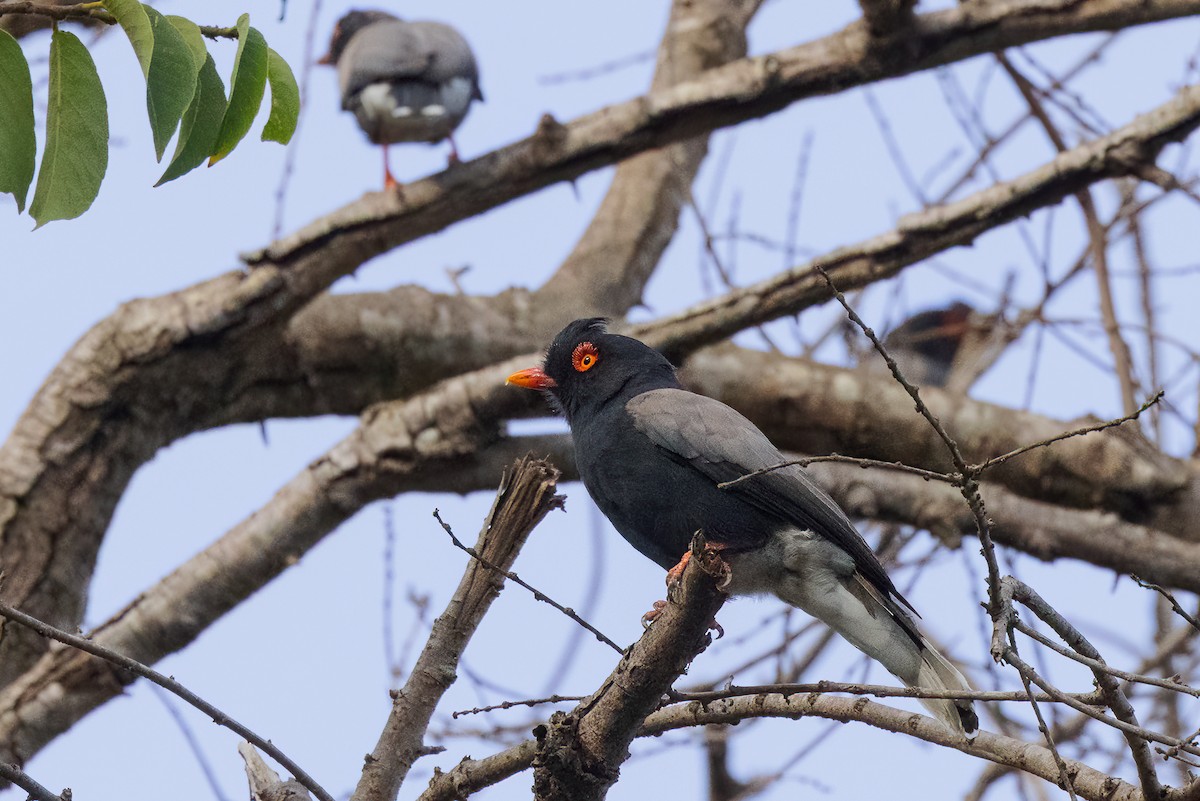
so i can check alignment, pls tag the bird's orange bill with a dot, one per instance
(531, 378)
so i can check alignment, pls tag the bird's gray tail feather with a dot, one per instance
(937, 673)
(892, 638)
(811, 573)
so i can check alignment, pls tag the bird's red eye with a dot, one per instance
(585, 356)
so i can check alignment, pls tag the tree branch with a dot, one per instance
(526, 495)
(579, 753)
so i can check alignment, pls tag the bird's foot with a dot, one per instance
(657, 608)
(714, 564)
(676, 573)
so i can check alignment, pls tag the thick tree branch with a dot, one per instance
(160, 369)
(1129, 150)
(887, 17)
(814, 408)
(740, 91)
(399, 446)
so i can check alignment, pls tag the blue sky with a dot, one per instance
(326, 712)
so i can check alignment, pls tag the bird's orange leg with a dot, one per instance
(713, 553)
(389, 181)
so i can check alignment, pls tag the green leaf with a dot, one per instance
(246, 88)
(192, 37)
(131, 15)
(285, 100)
(18, 144)
(201, 123)
(171, 81)
(76, 154)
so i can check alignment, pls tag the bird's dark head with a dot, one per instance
(587, 367)
(344, 30)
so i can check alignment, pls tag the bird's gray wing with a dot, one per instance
(392, 49)
(724, 446)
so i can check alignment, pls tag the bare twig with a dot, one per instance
(538, 595)
(1100, 665)
(876, 690)
(928, 475)
(1179, 610)
(589, 73)
(968, 485)
(553, 699)
(1077, 432)
(1125, 717)
(168, 684)
(27, 783)
(1122, 359)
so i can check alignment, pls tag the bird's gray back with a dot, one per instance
(721, 443)
(392, 49)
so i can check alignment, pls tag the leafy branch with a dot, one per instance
(184, 95)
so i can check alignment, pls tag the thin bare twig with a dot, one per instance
(553, 699)
(589, 73)
(1077, 432)
(1179, 610)
(1124, 717)
(1097, 664)
(538, 595)
(168, 684)
(969, 485)
(27, 783)
(928, 475)
(1097, 237)
(876, 690)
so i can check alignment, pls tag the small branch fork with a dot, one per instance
(1004, 649)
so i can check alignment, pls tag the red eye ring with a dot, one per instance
(584, 357)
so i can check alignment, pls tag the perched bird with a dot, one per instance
(926, 344)
(652, 455)
(404, 81)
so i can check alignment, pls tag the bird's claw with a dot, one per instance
(658, 606)
(653, 614)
